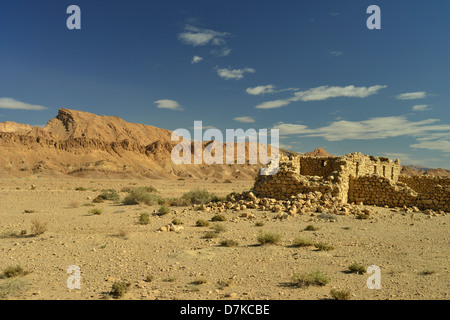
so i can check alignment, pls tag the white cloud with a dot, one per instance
(326, 92)
(261, 90)
(223, 52)
(421, 107)
(168, 104)
(196, 59)
(9, 103)
(195, 36)
(273, 104)
(440, 145)
(412, 95)
(236, 74)
(373, 128)
(323, 93)
(244, 119)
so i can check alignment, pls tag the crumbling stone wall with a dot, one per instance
(354, 178)
(379, 191)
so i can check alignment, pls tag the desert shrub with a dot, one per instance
(11, 287)
(340, 294)
(148, 189)
(229, 243)
(107, 195)
(357, 268)
(177, 202)
(316, 278)
(81, 189)
(144, 218)
(218, 228)
(228, 181)
(259, 224)
(142, 195)
(323, 247)
(170, 279)
(210, 235)
(14, 271)
(310, 227)
(200, 196)
(202, 223)
(199, 281)
(218, 217)
(301, 242)
(268, 238)
(96, 211)
(119, 289)
(38, 227)
(29, 211)
(177, 222)
(163, 210)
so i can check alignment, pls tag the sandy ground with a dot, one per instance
(412, 250)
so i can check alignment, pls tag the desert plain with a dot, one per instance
(410, 248)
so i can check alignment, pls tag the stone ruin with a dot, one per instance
(354, 178)
(330, 186)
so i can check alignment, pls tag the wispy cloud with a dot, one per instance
(237, 74)
(9, 103)
(323, 93)
(421, 107)
(412, 95)
(196, 59)
(245, 119)
(195, 36)
(440, 145)
(373, 128)
(223, 52)
(168, 104)
(261, 90)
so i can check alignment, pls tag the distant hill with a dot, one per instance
(415, 170)
(319, 152)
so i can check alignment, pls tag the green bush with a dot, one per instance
(218, 228)
(144, 218)
(177, 222)
(340, 294)
(119, 289)
(300, 242)
(323, 247)
(14, 271)
(107, 195)
(310, 227)
(210, 235)
(218, 217)
(202, 223)
(316, 278)
(163, 210)
(357, 268)
(142, 195)
(200, 196)
(96, 211)
(268, 238)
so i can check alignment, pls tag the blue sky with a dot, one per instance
(311, 69)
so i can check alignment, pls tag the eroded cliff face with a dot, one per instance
(77, 143)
